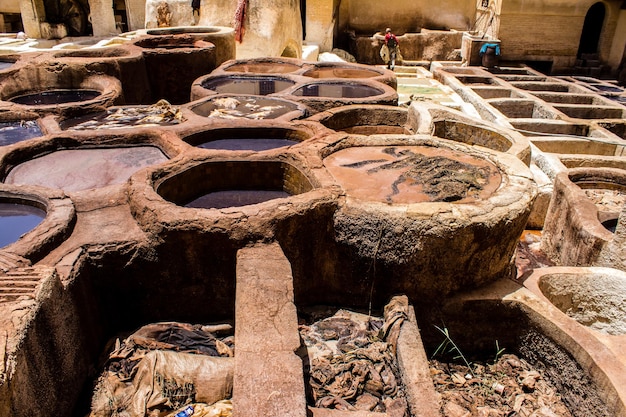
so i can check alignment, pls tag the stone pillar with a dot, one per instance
(136, 14)
(320, 23)
(32, 12)
(269, 378)
(102, 19)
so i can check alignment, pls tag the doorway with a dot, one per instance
(592, 28)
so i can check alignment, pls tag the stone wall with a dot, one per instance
(271, 27)
(539, 30)
(369, 16)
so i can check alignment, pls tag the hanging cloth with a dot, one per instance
(240, 15)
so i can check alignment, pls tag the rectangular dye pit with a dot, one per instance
(549, 86)
(591, 112)
(530, 127)
(522, 109)
(565, 145)
(573, 98)
(495, 92)
(476, 80)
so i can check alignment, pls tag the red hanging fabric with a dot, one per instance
(240, 15)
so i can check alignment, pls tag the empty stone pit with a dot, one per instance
(495, 92)
(448, 124)
(596, 111)
(523, 109)
(596, 300)
(233, 184)
(365, 120)
(559, 87)
(574, 234)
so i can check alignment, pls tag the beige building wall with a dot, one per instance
(272, 27)
(619, 41)
(371, 16)
(549, 30)
(9, 6)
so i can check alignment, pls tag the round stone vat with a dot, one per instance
(33, 220)
(18, 127)
(228, 107)
(124, 62)
(222, 37)
(365, 119)
(596, 299)
(450, 124)
(260, 85)
(70, 165)
(584, 198)
(427, 212)
(262, 66)
(326, 94)
(34, 90)
(53, 97)
(349, 71)
(582, 368)
(173, 62)
(257, 138)
(225, 184)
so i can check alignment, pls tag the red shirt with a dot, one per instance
(391, 36)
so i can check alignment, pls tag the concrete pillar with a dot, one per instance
(102, 19)
(32, 12)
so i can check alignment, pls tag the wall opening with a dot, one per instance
(590, 36)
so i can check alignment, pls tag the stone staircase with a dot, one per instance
(590, 65)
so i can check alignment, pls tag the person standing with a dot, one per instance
(392, 44)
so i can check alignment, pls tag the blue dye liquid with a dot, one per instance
(17, 219)
(55, 97)
(236, 198)
(247, 144)
(13, 132)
